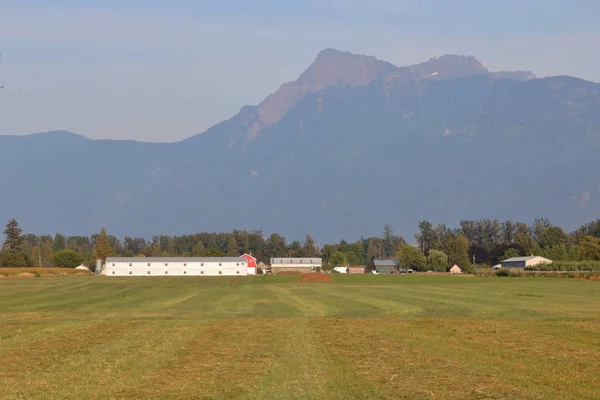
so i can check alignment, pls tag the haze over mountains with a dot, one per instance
(353, 144)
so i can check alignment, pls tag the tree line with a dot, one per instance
(438, 247)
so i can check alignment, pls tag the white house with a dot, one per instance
(524, 262)
(175, 266)
(303, 265)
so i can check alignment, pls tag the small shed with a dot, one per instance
(356, 269)
(455, 270)
(386, 266)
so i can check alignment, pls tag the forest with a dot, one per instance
(474, 243)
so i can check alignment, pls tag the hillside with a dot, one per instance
(353, 144)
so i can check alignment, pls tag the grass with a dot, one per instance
(270, 337)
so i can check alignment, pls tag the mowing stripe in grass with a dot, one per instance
(301, 298)
(305, 369)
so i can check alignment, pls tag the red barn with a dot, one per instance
(252, 267)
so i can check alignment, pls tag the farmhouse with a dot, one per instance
(356, 269)
(386, 266)
(175, 266)
(524, 262)
(251, 262)
(303, 265)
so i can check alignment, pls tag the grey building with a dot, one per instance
(386, 266)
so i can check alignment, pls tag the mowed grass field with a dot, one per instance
(270, 337)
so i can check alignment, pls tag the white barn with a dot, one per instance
(175, 266)
(524, 262)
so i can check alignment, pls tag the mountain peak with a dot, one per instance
(449, 66)
(335, 68)
(331, 68)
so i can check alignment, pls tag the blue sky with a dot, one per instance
(164, 70)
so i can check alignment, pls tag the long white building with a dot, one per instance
(291, 264)
(175, 266)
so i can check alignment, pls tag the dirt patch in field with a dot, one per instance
(316, 277)
(26, 275)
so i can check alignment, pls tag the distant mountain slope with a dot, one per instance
(353, 144)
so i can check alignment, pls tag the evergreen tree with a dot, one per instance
(232, 247)
(14, 237)
(374, 249)
(12, 254)
(308, 248)
(198, 250)
(102, 249)
(59, 242)
(388, 241)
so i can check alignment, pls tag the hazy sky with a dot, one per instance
(163, 70)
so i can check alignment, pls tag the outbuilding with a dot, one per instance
(524, 262)
(356, 269)
(386, 266)
(251, 262)
(302, 265)
(175, 266)
(455, 270)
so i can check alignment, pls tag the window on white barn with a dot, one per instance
(130, 264)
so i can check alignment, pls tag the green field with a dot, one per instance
(269, 337)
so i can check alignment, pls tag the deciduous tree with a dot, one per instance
(198, 250)
(437, 261)
(411, 258)
(338, 259)
(66, 259)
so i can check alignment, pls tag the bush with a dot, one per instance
(13, 259)
(66, 259)
(515, 273)
(260, 271)
(574, 266)
(503, 272)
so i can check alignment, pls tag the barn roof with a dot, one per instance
(172, 259)
(519, 259)
(383, 263)
(292, 260)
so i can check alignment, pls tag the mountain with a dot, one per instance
(352, 144)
